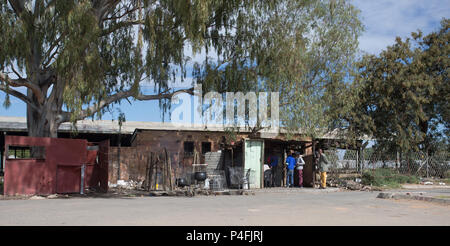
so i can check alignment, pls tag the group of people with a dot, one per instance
(295, 162)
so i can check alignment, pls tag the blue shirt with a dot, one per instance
(273, 161)
(290, 161)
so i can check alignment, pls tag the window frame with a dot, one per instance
(188, 153)
(210, 147)
(23, 149)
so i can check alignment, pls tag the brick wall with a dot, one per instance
(133, 163)
(134, 159)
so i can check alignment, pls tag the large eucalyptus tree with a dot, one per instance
(76, 58)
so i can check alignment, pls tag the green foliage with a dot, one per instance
(315, 64)
(368, 154)
(121, 118)
(7, 102)
(20, 153)
(231, 134)
(401, 96)
(332, 155)
(447, 174)
(387, 177)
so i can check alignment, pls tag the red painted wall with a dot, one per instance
(59, 172)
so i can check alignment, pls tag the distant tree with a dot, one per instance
(401, 96)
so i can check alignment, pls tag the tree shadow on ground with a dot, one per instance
(112, 193)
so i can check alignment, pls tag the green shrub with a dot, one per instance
(368, 178)
(447, 174)
(387, 177)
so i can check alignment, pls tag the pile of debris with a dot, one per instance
(128, 185)
(350, 184)
(426, 181)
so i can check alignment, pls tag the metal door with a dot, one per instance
(253, 160)
(68, 179)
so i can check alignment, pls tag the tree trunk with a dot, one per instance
(41, 124)
(42, 120)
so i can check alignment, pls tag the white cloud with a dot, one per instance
(373, 44)
(384, 20)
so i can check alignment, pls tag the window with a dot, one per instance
(25, 152)
(188, 148)
(206, 147)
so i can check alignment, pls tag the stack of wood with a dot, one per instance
(159, 174)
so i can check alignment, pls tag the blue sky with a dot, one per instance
(383, 20)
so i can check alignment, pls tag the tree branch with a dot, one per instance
(17, 73)
(19, 96)
(119, 25)
(103, 7)
(50, 57)
(17, 5)
(65, 116)
(122, 15)
(23, 82)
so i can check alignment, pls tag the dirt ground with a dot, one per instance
(265, 207)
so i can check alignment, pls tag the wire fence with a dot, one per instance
(416, 163)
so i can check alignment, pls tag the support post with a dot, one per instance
(314, 163)
(83, 167)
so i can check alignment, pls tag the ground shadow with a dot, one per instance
(1, 183)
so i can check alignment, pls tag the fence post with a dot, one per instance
(397, 161)
(357, 161)
(360, 159)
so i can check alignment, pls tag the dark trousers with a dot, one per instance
(274, 175)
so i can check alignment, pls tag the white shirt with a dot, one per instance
(300, 163)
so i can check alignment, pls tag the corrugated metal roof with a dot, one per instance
(109, 126)
(112, 127)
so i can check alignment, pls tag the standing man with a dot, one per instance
(274, 168)
(300, 164)
(323, 167)
(290, 163)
